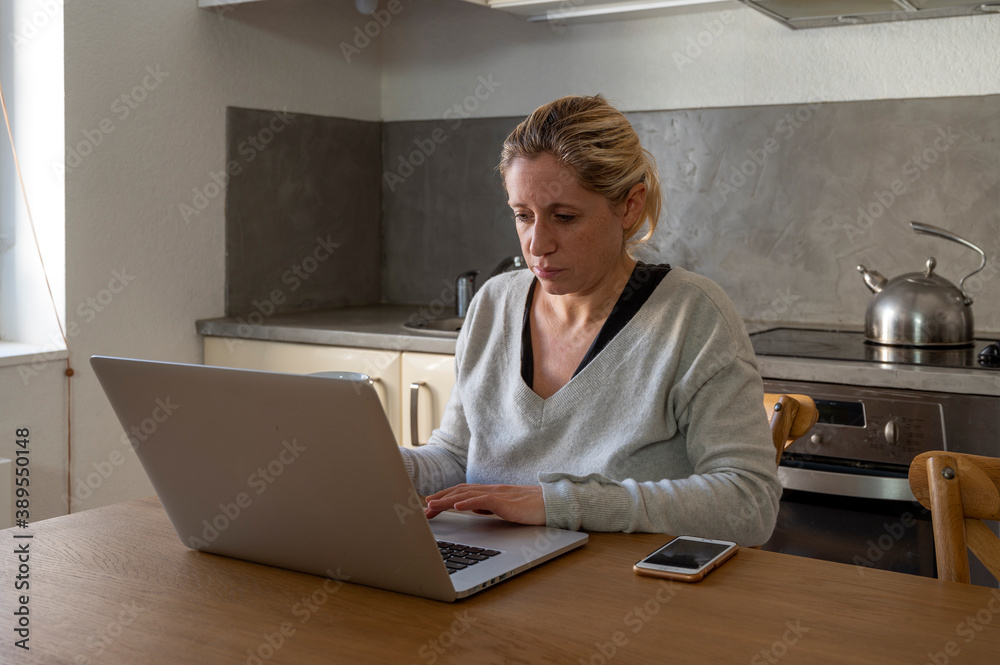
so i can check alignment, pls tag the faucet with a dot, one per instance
(465, 288)
(465, 284)
(508, 264)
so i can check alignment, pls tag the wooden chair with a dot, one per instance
(960, 490)
(791, 417)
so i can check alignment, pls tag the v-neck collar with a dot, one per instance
(588, 376)
(641, 284)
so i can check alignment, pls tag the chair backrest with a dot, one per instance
(960, 490)
(791, 416)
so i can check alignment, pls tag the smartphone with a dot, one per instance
(686, 558)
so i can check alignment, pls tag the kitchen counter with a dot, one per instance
(882, 375)
(381, 327)
(836, 361)
(370, 327)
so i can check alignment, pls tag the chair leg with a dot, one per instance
(948, 519)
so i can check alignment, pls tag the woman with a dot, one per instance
(594, 392)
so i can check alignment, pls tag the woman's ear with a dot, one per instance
(635, 202)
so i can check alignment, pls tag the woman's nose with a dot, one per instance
(542, 241)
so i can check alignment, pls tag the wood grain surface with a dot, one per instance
(115, 585)
(980, 480)
(948, 521)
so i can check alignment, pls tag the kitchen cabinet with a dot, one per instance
(382, 366)
(426, 381)
(432, 375)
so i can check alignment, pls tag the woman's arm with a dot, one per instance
(732, 494)
(439, 464)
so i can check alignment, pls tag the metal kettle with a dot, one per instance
(920, 308)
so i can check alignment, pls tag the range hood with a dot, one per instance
(591, 11)
(798, 14)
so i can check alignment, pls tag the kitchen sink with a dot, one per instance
(449, 325)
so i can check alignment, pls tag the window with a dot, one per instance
(31, 71)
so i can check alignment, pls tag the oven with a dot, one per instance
(846, 494)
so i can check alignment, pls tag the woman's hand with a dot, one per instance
(515, 503)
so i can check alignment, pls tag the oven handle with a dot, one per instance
(845, 484)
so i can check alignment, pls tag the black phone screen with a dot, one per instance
(683, 553)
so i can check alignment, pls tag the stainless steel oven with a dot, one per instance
(847, 496)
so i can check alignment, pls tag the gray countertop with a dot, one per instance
(381, 327)
(884, 375)
(370, 327)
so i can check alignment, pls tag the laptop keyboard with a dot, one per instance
(459, 557)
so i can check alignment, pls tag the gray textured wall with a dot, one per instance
(778, 204)
(764, 200)
(444, 210)
(301, 185)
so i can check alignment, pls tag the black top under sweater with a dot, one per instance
(644, 280)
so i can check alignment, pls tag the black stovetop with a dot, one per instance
(847, 345)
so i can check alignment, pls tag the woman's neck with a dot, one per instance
(589, 307)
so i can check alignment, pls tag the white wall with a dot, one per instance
(435, 51)
(137, 275)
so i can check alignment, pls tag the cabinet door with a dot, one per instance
(426, 383)
(292, 358)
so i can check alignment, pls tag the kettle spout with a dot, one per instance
(874, 280)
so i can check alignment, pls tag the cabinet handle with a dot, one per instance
(414, 397)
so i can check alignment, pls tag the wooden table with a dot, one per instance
(115, 585)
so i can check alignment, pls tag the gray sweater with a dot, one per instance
(663, 431)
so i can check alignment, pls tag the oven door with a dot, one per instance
(847, 496)
(858, 525)
(864, 523)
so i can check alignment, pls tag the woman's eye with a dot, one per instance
(522, 217)
(565, 218)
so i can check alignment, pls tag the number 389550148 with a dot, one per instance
(21, 481)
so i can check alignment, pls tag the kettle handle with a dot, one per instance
(928, 230)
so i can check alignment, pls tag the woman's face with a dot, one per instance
(571, 238)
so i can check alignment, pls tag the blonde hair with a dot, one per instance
(596, 141)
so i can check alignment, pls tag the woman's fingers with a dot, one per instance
(515, 503)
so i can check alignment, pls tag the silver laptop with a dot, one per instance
(303, 472)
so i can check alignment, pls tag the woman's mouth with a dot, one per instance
(544, 272)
